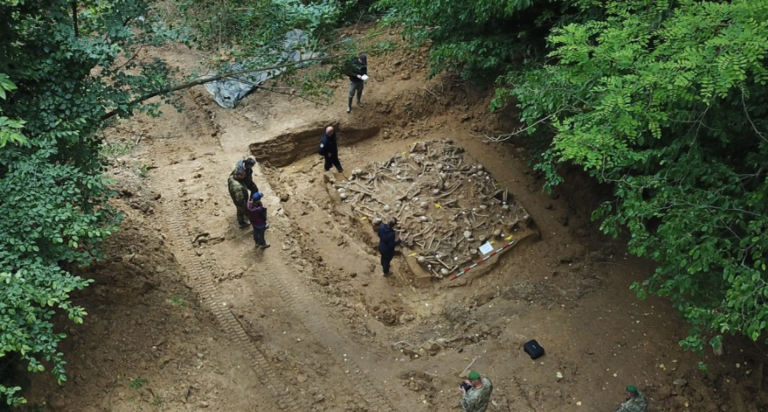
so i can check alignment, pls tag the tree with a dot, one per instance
(480, 39)
(667, 101)
(66, 68)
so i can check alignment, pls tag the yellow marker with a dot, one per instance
(364, 218)
(493, 243)
(508, 237)
(413, 254)
(437, 206)
(405, 152)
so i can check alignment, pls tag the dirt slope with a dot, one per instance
(187, 314)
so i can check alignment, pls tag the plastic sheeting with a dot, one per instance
(228, 92)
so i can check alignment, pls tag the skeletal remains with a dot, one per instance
(446, 207)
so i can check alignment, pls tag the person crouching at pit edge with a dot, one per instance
(257, 214)
(636, 401)
(477, 393)
(387, 243)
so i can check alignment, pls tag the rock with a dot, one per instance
(680, 382)
(319, 398)
(163, 361)
(467, 234)
(284, 197)
(159, 269)
(323, 282)
(145, 287)
(301, 378)
(57, 403)
(410, 353)
(433, 348)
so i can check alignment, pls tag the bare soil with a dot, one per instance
(187, 315)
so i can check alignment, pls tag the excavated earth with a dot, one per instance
(187, 315)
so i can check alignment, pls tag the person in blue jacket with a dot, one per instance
(387, 243)
(257, 214)
(329, 149)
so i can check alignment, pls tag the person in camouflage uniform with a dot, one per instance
(239, 194)
(636, 401)
(478, 395)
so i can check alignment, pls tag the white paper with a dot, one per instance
(486, 248)
(364, 77)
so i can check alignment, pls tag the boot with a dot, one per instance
(349, 105)
(359, 103)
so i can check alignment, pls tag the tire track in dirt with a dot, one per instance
(299, 299)
(201, 279)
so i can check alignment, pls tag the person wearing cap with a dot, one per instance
(387, 243)
(239, 194)
(478, 393)
(257, 215)
(635, 402)
(329, 149)
(247, 165)
(357, 68)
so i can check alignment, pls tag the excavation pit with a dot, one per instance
(452, 214)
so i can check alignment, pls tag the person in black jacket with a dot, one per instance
(358, 67)
(387, 243)
(329, 149)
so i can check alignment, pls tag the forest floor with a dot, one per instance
(187, 314)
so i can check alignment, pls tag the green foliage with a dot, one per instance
(60, 75)
(10, 130)
(178, 301)
(248, 26)
(480, 39)
(137, 383)
(667, 101)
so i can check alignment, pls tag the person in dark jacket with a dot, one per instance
(257, 215)
(387, 243)
(247, 165)
(357, 68)
(329, 149)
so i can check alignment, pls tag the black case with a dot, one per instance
(533, 349)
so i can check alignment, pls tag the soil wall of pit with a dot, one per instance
(296, 144)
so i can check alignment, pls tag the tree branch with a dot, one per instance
(74, 18)
(507, 136)
(205, 80)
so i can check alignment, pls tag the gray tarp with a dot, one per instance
(228, 92)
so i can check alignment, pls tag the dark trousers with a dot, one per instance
(332, 161)
(386, 259)
(258, 236)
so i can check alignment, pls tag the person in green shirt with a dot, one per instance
(477, 393)
(636, 401)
